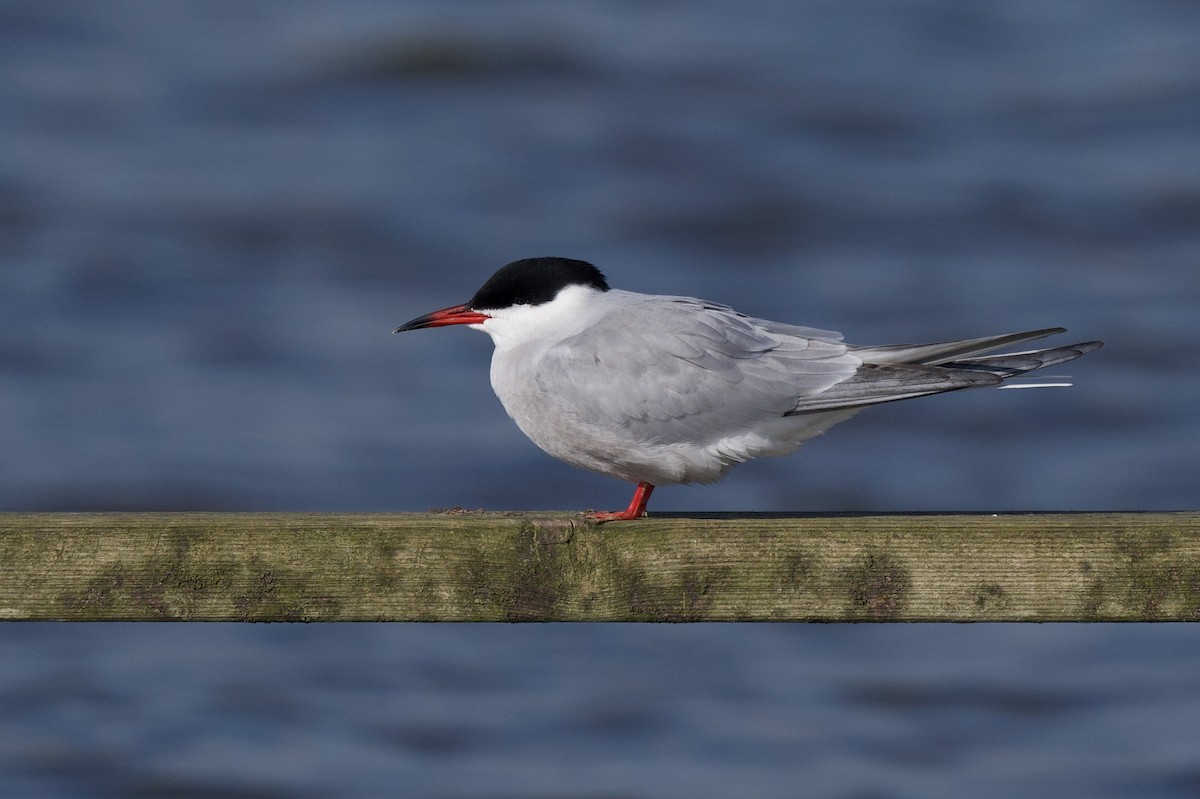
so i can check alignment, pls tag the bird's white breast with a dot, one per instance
(541, 393)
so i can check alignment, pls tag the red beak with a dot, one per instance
(456, 315)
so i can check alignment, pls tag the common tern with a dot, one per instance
(662, 390)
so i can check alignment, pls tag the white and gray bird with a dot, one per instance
(661, 390)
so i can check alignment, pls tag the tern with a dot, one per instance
(663, 390)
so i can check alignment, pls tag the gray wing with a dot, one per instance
(677, 369)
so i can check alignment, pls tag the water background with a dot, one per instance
(213, 213)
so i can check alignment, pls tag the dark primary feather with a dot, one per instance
(876, 382)
(1015, 363)
(943, 351)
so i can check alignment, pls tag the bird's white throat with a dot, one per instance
(571, 311)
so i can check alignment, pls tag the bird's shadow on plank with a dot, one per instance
(848, 514)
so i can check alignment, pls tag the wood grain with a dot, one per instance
(460, 566)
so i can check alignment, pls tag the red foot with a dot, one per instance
(636, 509)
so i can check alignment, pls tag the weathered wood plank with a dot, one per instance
(516, 567)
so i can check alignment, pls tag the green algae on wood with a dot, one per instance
(547, 567)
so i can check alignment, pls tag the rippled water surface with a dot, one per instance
(600, 711)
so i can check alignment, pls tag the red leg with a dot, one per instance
(636, 509)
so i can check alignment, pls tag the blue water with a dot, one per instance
(212, 213)
(600, 711)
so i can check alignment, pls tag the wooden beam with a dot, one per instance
(460, 566)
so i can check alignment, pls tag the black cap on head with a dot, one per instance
(533, 281)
